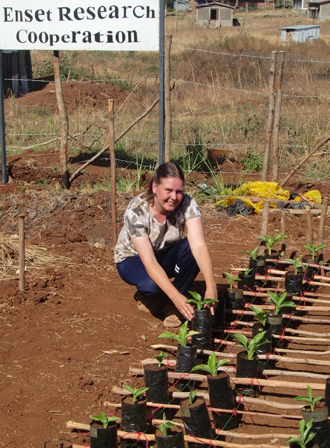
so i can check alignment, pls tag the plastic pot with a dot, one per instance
(327, 394)
(220, 313)
(185, 361)
(246, 282)
(258, 265)
(310, 271)
(221, 396)
(59, 444)
(196, 421)
(320, 424)
(234, 299)
(174, 439)
(275, 322)
(103, 437)
(294, 283)
(247, 368)
(156, 378)
(202, 322)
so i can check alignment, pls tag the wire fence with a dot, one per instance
(196, 146)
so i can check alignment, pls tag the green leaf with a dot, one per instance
(253, 253)
(160, 358)
(203, 367)
(192, 396)
(168, 335)
(130, 389)
(104, 419)
(242, 339)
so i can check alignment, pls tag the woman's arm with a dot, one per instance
(158, 275)
(201, 254)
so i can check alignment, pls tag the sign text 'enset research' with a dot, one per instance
(130, 25)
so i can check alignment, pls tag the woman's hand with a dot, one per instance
(211, 293)
(185, 309)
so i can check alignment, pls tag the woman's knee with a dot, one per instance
(148, 287)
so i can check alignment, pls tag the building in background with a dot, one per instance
(319, 10)
(300, 33)
(214, 14)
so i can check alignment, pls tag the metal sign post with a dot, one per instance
(161, 82)
(2, 127)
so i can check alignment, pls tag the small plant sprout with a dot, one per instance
(246, 271)
(305, 434)
(198, 301)
(160, 358)
(104, 419)
(313, 249)
(310, 400)
(251, 347)
(192, 396)
(261, 315)
(165, 426)
(296, 263)
(253, 254)
(279, 301)
(182, 337)
(231, 279)
(136, 392)
(270, 242)
(212, 365)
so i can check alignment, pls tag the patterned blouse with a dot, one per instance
(139, 221)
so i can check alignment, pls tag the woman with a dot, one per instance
(150, 248)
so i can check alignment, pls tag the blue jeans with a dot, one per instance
(177, 262)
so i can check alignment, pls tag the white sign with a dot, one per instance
(115, 25)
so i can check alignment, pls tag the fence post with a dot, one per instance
(246, 15)
(64, 121)
(2, 126)
(167, 153)
(111, 104)
(270, 122)
(21, 236)
(277, 116)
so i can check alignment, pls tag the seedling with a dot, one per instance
(253, 254)
(165, 426)
(160, 358)
(246, 272)
(296, 263)
(310, 400)
(305, 434)
(261, 315)
(252, 346)
(278, 301)
(198, 301)
(270, 242)
(212, 365)
(136, 392)
(104, 419)
(192, 396)
(313, 249)
(231, 279)
(182, 337)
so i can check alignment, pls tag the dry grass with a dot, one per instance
(220, 96)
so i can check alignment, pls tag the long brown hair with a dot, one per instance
(165, 170)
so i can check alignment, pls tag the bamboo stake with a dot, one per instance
(21, 233)
(318, 146)
(289, 316)
(111, 105)
(287, 359)
(283, 226)
(271, 109)
(167, 100)
(309, 227)
(64, 121)
(287, 330)
(277, 115)
(248, 413)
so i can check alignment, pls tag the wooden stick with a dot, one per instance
(322, 222)
(287, 330)
(318, 146)
(277, 115)
(291, 211)
(64, 122)
(21, 233)
(283, 226)
(289, 316)
(271, 109)
(111, 105)
(167, 100)
(309, 227)
(264, 222)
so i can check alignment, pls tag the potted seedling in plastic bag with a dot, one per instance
(202, 320)
(220, 392)
(275, 319)
(262, 325)
(318, 413)
(133, 414)
(247, 360)
(186, 353)
(103, 431)
(306, 436)
(272, 255)
(256, 262)
(156, 380)
(195, 418)
(313, 259)
(168, 435)
(294, 280)
(234, 297)
(247, 280)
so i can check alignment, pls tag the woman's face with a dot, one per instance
(168, 194)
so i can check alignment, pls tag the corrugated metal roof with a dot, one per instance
(321, 2)
(214, 4)
(300, 27)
